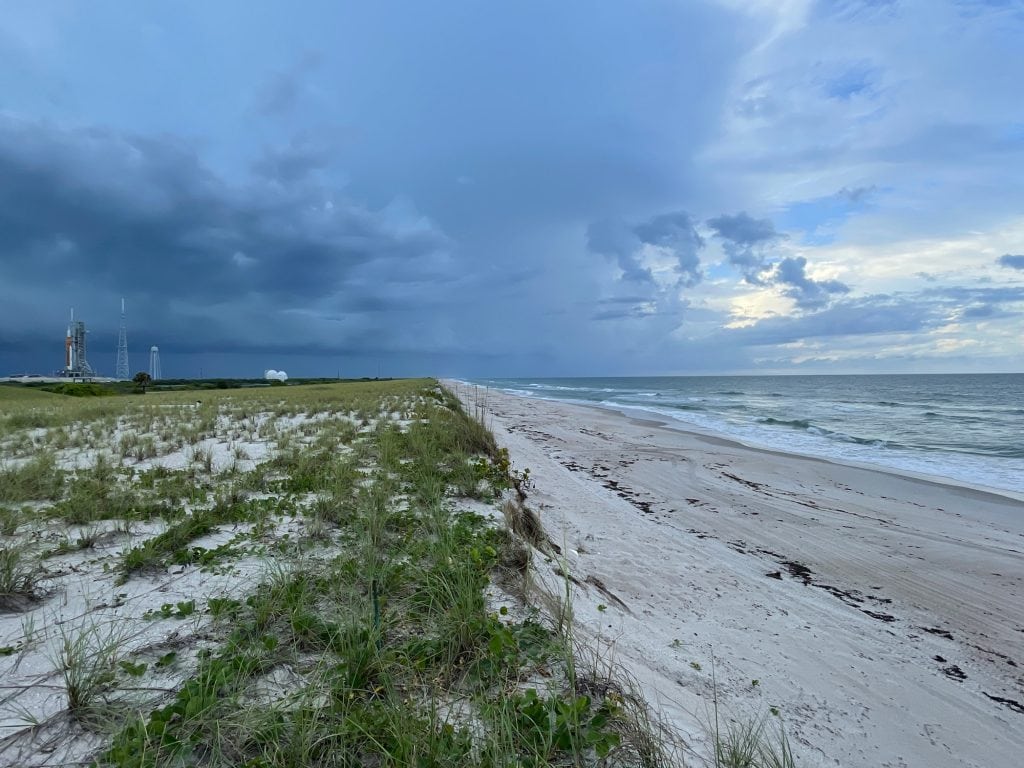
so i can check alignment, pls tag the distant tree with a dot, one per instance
(142, 380)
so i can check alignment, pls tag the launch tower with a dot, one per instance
(76, 363)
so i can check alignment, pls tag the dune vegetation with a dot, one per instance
(329, 574)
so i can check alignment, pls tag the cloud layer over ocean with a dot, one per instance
(527, 188)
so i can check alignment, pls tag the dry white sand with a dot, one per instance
(883, 616)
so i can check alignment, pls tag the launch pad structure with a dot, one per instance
(76, 361)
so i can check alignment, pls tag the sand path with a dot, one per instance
(882, 615)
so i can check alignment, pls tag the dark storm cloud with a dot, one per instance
(1012, 261)
(674, 233)
(613, 239)
(743, 229)
(145, 215)
(208, 267)
(807, 293)
(745, 240)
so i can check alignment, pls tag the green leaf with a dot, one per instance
(607, 744)
(134, 670)
(167, 659)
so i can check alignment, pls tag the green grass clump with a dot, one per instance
(752, 743)
(171, 487)
(87, 658)
(10, 519)
(20, 574)
(89, 501)
(39, 479)
(33, 418)
(308, 471)
(91, 498)
(172, 546)
(158, 551)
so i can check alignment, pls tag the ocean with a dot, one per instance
(964, 427)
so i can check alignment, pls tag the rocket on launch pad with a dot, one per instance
(76, 364)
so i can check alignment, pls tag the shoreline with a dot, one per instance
(949, 483)
(656, 418)
(880, 614)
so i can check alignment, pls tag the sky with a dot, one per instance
(478, 188)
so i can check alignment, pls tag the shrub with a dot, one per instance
(74, 389)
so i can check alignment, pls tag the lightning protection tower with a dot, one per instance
(123, 371)
(154, 363)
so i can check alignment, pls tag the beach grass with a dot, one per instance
(20, 575)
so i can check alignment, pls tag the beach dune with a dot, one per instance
(881, 616)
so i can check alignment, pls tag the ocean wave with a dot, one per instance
(794, 423)
(520, 392)
(958, 418)
(560, 388)
(1003, 453)
(807, 426)
(871, 442)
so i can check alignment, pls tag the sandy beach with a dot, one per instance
(881, 617)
